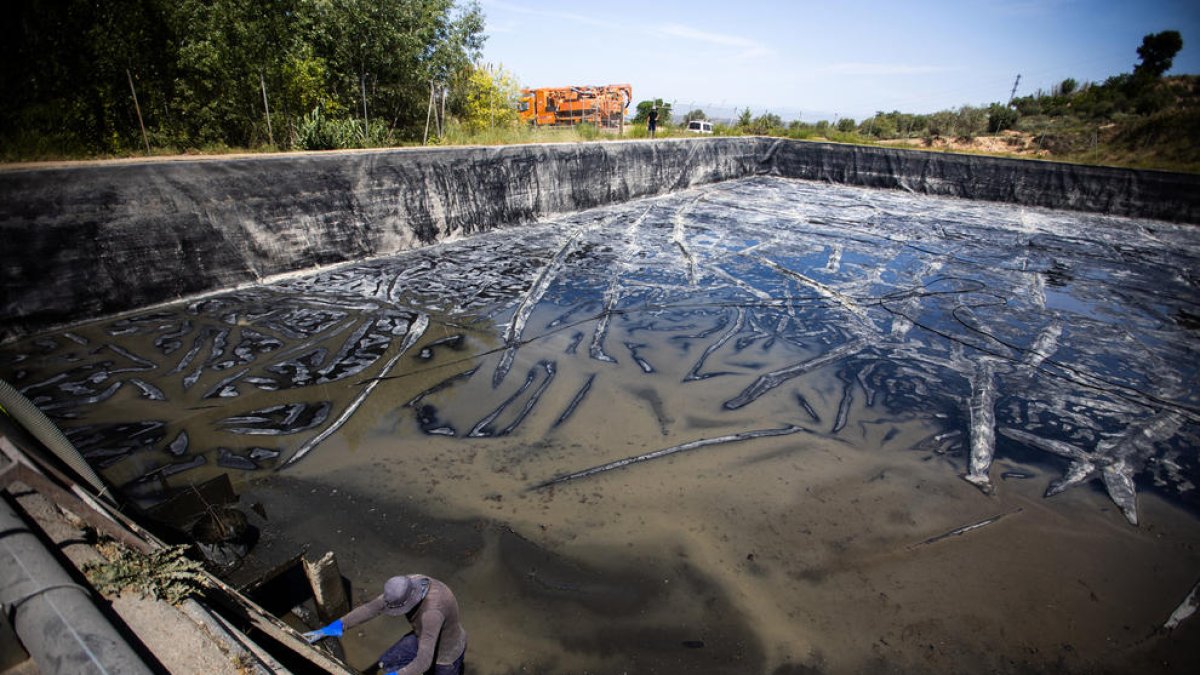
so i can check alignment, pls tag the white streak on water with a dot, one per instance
(414, 333)
(983, 424)
(516, 327)
(1044, 346)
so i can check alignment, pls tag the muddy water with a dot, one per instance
(723, 430)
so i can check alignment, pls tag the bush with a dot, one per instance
(942, 123)
(164, 574)
(587, 131)
(766, 124)
(316, 131)
(1001, 118)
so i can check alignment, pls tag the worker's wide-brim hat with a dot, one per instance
(401, 594)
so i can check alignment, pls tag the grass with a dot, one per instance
(1138, 142)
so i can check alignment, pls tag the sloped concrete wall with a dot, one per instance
(93, 240)
(1124, 192)
(85, 241)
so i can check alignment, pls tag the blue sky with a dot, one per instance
(817, 60)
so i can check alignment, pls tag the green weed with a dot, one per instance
(164, 574)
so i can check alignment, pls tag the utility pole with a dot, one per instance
(1014, 89)
(138, 108)
(366, 122)
(428, 114)
(266, 107)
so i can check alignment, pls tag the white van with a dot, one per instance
(700, 127)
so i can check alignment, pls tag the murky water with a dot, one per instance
(717, 431)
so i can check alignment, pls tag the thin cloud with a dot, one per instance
(505, 27)
(885, 69)
(747, 48)
(550, 14)
(1032, 7)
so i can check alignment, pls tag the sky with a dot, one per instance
(829, 59)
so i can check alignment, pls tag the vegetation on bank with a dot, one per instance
(84, 78)
(164, 77)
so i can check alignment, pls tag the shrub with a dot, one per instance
(317, 131)
(587, 131)
(1001, 118)
(164, 574)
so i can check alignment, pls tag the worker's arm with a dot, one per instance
(362, 613)
(431, 628)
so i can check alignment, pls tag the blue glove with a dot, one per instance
(332, 630)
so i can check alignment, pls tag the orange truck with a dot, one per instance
(567, 106)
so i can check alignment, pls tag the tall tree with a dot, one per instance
(202, 68)
(1157, 52)
(487, 98)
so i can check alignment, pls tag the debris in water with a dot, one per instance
(1185, 609)
(959, 531)
(684, 447)
(983, 425)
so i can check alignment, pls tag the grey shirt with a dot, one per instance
(440, 636)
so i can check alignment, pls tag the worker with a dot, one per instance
(437, 643)
(652, 121)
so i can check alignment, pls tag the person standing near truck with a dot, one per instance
(652, 121)
(437, 643)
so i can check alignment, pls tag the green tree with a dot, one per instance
(1001, 118)
(489, 98)
(943, 123)
(643, 112)
(696, 114)
(200, 68)
(744, 119)
(846, 125)
(1157, 52)
(971, 121)
(766, 124)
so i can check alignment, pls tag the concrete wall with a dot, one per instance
(91, 240)
(1124, 192)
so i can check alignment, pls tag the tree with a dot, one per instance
(696, 114)
(972, 121)
(1067, 87)
(942, 123)
(846, 125)
(745, 118)
(200, 68)
(766, 123)
(488, 98)
(1157, 52)
(643, 112)
(1001, 118)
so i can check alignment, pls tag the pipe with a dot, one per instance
(35, 421)
(55, 618)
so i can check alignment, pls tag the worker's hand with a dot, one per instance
(332, 630)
